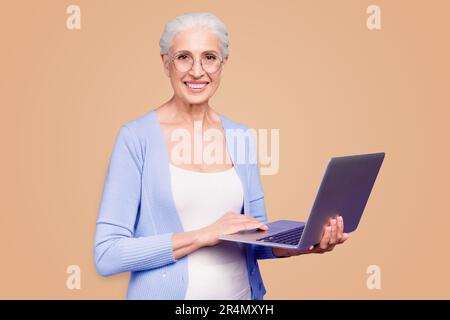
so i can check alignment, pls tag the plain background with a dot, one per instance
(309, 68)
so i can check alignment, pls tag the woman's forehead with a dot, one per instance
(197, 40)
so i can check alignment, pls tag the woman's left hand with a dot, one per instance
(333, 234)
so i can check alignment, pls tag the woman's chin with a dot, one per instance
(196, 99)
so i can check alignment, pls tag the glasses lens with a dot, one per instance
(183, 62)
(211, 63)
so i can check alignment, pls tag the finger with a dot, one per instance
(345, 237)
(247, 215)
(324, 231)
(325, 238)
(333, 236)
(245, 221)
(254, 225)
(246, 218)
(261, 225)
(340, 229)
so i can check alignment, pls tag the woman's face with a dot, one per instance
(197, 43)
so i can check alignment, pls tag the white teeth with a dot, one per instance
(196, 86)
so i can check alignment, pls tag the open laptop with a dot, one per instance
(344, 190)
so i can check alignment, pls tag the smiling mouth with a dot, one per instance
(196, 87)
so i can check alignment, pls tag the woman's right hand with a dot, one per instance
(229, 223)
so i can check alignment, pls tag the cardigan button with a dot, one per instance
(164, 275)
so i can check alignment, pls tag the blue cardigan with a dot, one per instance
(137, 214)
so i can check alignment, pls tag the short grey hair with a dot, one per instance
(192, 20)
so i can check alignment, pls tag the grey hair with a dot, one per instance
(191, 20)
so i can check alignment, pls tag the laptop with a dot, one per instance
(344, 190)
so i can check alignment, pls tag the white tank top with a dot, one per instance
(220, 271)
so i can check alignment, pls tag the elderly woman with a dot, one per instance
(160, 218)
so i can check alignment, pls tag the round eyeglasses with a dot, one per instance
(184, 62)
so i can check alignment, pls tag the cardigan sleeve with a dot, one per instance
(116, 249)
(257, 204)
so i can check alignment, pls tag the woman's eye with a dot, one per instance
(211, 57)
(183, 57)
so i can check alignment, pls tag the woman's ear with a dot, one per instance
(166, 62)
(225, 60)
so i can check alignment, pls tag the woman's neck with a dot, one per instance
(189, 113)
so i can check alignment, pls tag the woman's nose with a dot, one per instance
(197, 68)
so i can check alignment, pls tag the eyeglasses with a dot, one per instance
(184, 62)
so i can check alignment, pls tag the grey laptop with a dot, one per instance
(344, 190)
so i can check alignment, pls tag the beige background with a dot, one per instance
(310, 68)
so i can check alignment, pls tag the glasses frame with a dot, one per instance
(172, 58)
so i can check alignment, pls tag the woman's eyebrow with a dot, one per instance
(187, 51)
(182, 51)
(210, 51)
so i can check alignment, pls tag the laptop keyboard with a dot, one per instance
(291, 236)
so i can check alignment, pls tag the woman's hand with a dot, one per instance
(229, 223)
(333, 234)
